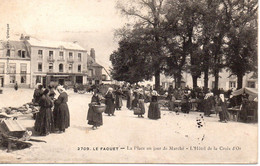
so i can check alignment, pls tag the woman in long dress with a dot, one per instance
(44, 119)
(119, 102)
(185, 106)
(209, 103)
(222, 107)
(95, 118)
(110, 102)
(129, 99)
(140, 105)
(61, 111)
(154, 109)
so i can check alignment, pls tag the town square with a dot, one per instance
(141, 81)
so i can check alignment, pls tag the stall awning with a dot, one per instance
(250, 91)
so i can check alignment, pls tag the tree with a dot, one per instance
(131, 62)
(148, 14)
(241, 50)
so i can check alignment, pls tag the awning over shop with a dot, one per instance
(250, 91)
(60, 75)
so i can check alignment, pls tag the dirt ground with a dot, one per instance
(124, 138)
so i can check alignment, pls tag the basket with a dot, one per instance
(99, 108)
(137, 111)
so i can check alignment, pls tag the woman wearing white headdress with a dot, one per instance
(222, 108)
(154, 108)
(110, 102)
(209, 103)
(61, 110)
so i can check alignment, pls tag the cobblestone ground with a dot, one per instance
(125, 138)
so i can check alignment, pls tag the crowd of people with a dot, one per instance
(135, 97)
(53, 115)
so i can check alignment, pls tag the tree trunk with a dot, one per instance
(239, 81)
(178, 82)
(216, 74)
(157, 80)
(206, 78)
(194, 81)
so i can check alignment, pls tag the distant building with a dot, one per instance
(226, 82)
(14, 64)
(94, 69)
(57, 62)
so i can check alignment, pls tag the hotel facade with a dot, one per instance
(56, 62)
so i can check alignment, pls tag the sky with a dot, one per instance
(90, 22)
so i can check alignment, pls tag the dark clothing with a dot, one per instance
(129, 100)
(52, 94)
(93, 117)
(185, 106)
(61, 112)
(37, 95)
(16, 86)
(154, 109)
(209, 104)
(44, 119)
(119, 102)
(223, 114)
(141, 104)
(110, 103)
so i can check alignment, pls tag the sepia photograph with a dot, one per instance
(129, 81)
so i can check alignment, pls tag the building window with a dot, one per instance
(60, 67)
(232, 84)
(12, 68)
(23, 54)
(12, 79)
(40, 54)
(2, 68)
(38, 79)
(70, 55)
(79, 57)
(50, 67)
(50, 55)
(39, 66)
(23, 79)
(70, 67)
(251, 84)
(8, 52)
(79, 68)
(61, 55)
(23, 68)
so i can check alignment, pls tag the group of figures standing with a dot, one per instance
(113, 101)
(207, 103)
(53, 115)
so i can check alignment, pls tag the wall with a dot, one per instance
(45, 62)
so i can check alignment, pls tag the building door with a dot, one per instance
(1, 81)
(44, 82)
(61, 81)
(79, 79)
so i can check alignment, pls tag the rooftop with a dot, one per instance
(55, 44)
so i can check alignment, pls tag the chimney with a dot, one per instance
(92, 54)
(22, 37)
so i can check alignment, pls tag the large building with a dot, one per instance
(56, 62)
(15, 64)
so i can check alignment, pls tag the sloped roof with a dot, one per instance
(92, 62)
(16, 45)
(55, 44)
